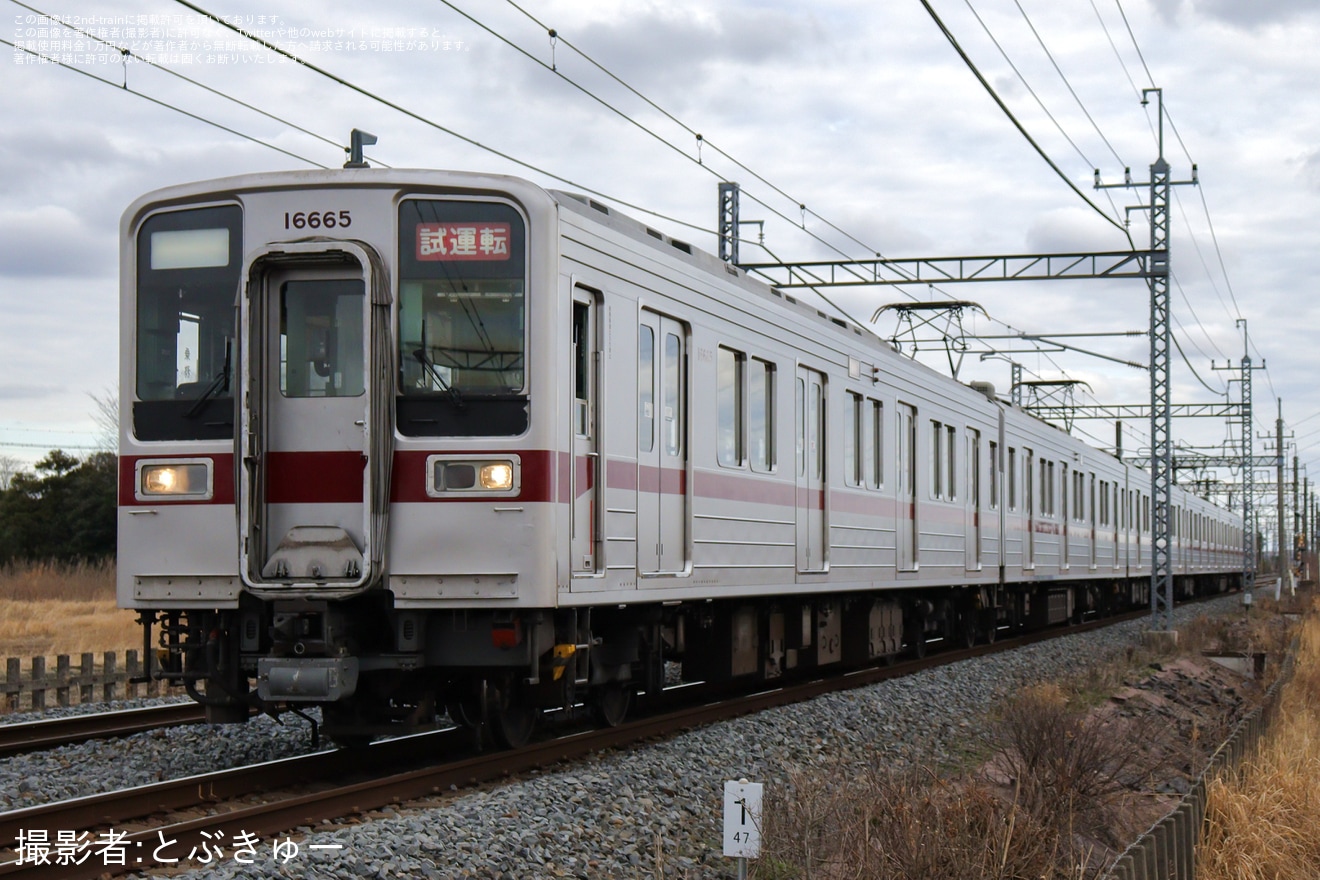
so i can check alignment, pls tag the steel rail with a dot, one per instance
(31, 736)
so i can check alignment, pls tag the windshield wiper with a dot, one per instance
(218, 384)
(434, 371)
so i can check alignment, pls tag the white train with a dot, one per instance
(396, 442)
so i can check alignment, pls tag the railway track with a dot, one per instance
(265, 800)
(34, 736)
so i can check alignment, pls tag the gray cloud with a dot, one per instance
(1256, 12)
(1239, 13)
(1311, 170)
(72, 150)
(671, 52)
(27, 391)
(51, 241)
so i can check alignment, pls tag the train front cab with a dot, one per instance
(262, 461)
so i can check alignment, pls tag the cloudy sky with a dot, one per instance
(863, 112)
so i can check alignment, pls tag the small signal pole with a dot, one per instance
(742, 822)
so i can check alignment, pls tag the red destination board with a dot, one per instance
(462, 241)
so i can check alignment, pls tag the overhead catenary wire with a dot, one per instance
(701, 139)
(1233, 313)
(553, 68)
(971, 65)
(1059, 70)
(7, 444)
(1188, 363)
(557, 38)
(1236, 311)
(166, 104)
(658, 137)
(1112, 45)
(431, 123)
(129, 53)
(1199, 323)
(1135, 44)
(1040, 103)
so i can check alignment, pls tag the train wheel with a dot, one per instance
(610, 703)
(511, 715)
(967, 628)
(464, 713)
(991, 626)
(914, 634)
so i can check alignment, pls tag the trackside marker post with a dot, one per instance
(742, 822)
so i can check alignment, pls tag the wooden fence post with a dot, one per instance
(38, 683)
(86, 671)
(13, 683)
(62, 679)
(108, 674)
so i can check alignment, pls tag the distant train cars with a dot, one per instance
(397, 443)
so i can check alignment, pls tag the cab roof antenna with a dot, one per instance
(358, 139)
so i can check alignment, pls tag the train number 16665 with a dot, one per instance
(317, 219)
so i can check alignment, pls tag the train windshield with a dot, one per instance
(188, 267)
(462, 318)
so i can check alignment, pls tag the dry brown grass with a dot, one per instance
(1056, 800)
(1073, 771)
(48, 609)
(1262, 820)
(884, 826)
(40, 581)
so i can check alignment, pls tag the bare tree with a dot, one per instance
(106, 416)
(9, 467)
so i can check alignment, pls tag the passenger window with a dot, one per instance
(729, 406)
(852, 441)
(1012, 478)
(874, 446)
(760, 415)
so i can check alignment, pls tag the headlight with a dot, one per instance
(464, 476)
(497, 476)
(182, 480)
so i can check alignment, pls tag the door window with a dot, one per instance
(321, 339)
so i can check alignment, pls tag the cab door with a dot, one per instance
(313, 444)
